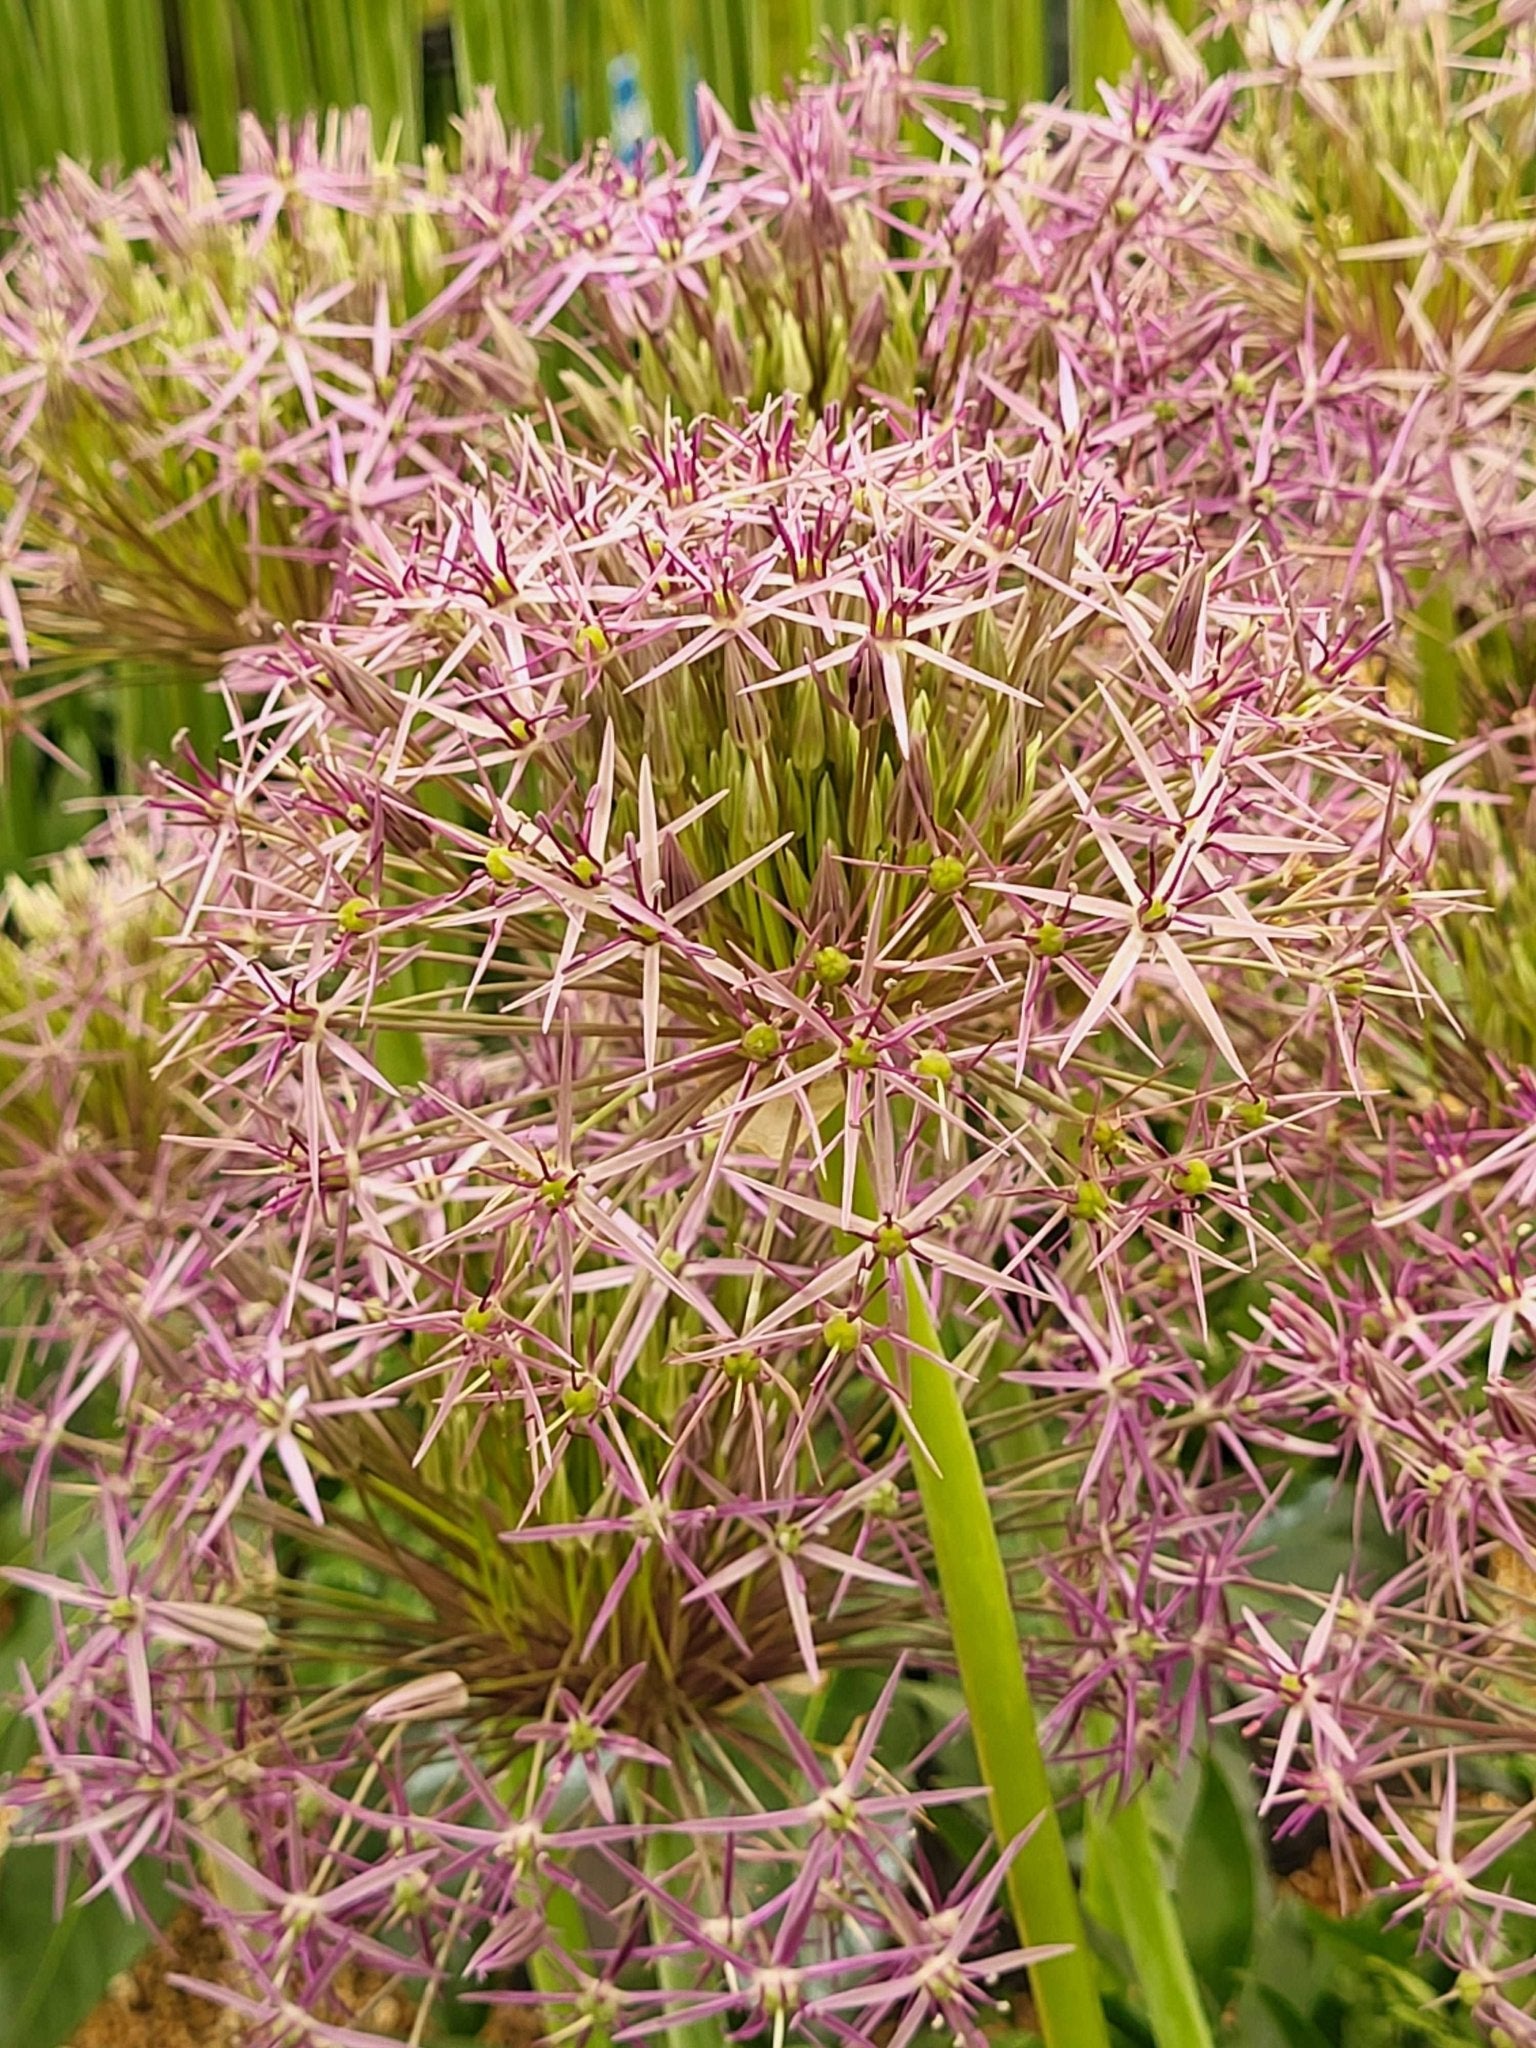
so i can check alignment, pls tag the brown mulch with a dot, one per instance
(1322, 1883)
(141, 2010)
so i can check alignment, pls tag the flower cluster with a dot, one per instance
(806, 812)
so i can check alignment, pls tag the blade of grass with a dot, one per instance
(470, 29)
(213, 85)
(589, 63)
(141, 80)
(282, 78)
(1099, 46)
(387, 53)
(661, 72)
(336, 67)
(732, 36)
(791, 39)
(978, 42)
(516, 78)
(23, 145)
(69, 48)
(1028, 64)
(546, 24)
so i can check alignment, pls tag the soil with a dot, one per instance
(141, 2010)
(1324, 1884)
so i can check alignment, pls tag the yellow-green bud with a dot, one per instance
(832, 966)
(1091, 1204)
(947, 874)
(353, 913)
(761, 1042)
(883, 1501)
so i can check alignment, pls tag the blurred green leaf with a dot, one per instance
(1217, 1885)
(52, 1973)
(1295, 2028)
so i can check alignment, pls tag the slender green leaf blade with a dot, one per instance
(213, 85)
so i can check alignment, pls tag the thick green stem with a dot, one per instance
(973, 1584)
(1128, 1860)
(974, 1587)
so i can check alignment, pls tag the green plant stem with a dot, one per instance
(973, 1584)
(1128, 1860)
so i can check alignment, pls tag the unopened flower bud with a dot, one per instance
(867, 333)
(1177, 629)
(229, 1628)
(983, 253)
(730, 360)
(1090, 1204)
(439, 1696)
(761, 1042)
(1054, 544)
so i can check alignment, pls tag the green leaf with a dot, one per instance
(52, 1973)
(139, 79)
(208, 52)
(1100, 47)
(1296, 2029)
(282, 81)
(1217, 1885)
